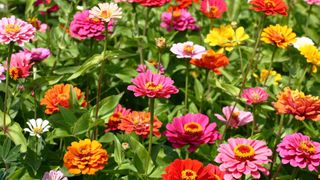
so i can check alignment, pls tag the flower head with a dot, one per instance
(37, 127)
(243, 156)
(226, 37)
(299, 151)
(54, 175)
(59, 95)
(85, 157)
(153, 85)
(15, 30)
(142, 68)
(270, 7)
(139, 122)
(302, 41)
(255, 95)
(281, 36)
(313, 2)
(38, 54)
(273, 77)
(152, 3)
(213, 8)
(192, 130)
(2, 73)
(298, 104)
(312, 54)
(188, 50)
(180, 20)
(20, 65)
(106, 12)
(234, 117)
(211, 60)
(116, 118)
(36, 23)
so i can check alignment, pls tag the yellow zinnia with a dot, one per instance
(312, 54)
(281, 36)
(226, 37)
(273, 76)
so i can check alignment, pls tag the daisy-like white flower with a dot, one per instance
(37, 127)
(106, 12)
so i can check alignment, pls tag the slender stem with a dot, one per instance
(302, 78)
(254, 121)
(270, 66)
(151, 109)
(205, 85)
(186, 103)
(261, 25)
(146, 22)
(277, 171)
(309, 13)
(159, 61)
(187, 153)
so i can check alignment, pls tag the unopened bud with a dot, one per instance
(160, 42)
(234, 24)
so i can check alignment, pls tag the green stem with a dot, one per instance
(159, 61)
(187, 153)
(302, 78)
(151, 109)
(309, 13)
(186, 103)
(270, 66)
(205, 87)
(253, 122)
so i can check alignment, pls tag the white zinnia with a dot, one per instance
(37, 127)
(302, 41)
(106, 11)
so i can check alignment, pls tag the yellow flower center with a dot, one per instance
(37, 130)
(307, 146)
(95, 19)
(188, 49)
(12, 28)
(214, 10)
(153, 87)
(63, 97)
(105, 14)
(235, 115)
(192, 128)
(188, 175)
(255, 96)
(116, 117)
(14, 73)
(215, 177)
(269, 3)
(243, 152)
(176, 13)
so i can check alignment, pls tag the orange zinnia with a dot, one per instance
(211, 60)
(298, 104)
(85, 157)
(270, 7)
(139, 123)
(281, 36)
(59, 95)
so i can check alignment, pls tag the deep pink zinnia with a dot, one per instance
(299, 151)
(213, 8)
(116, 118)
(38, 54)
(243, 156)
(15, 30)
(234, 117)
(255, 95)
(153, 85)
(152, 3)
(192, 130)
(20, 65)
(180, 20)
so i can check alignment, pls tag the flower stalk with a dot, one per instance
(186, 102)
(151, 109)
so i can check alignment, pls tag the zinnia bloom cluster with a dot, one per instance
(190, 169)
(153, 85)
(59, 95)
(211, 60)
(188, 50)
(281, 36)
(152, 3)
(116, 118)
(179, 20)
(106, 12)
(270, 7)
(20, 65)
(242, 157)
(298, 104)
(15, 30)
(312, 54)
(213, 8)
(255, 95)
(192, 130)
(234, 117)
(299, 151)
(85, 157)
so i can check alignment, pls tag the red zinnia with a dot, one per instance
(213, 8)
(270, 7)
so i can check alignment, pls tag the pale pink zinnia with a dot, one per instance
(20, 65)
(15, 30)
(188, 50)
(313, 2)
(243, 157)
(153, 85)
(106, 12)
(234, 117)
(192, 130)
(54, 175)
(180, 20)
(299, 151)
(255, 95)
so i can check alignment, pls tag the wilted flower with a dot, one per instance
(192, 130)
(20, 65)
(2, 73)
(152, 3)
(234, 117)
(38, 54)
(106, 12)
(213, 8)
(273, 77)
(188, 50)
(116, 118)
(255, 95)
(302, 41)
(298, 104)
(281, 36)
(54, 175)
(180, 20)
(270, 7)
(37, 127)
(312, 54)
(85, 157)
(243, 156)
(299, 151)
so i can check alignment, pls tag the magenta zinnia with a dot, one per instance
(153, 85)
(255, 95)
(192, 130)
(243, 156)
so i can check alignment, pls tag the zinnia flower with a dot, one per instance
(59, 95)
(213, 8)
(179, 20)
(85, 157)
(153, 85)
(298, 104)
(281, 36)
(116, 118)
(270, 7)
(152, 3)
(273, 77)
(234, 117)
(54, 175)
(255, 95)
(242, 157)
(226, 37)
(20, 65)
(312, 54)
(2, 73)
(185, 3)
(38, 54)
(106, 12)
(313, 2)
(15, 30)
(192, 130)
(299, 151)
(211, 60)
(142, 68)
(302, 41)
(36, 23)
(139, 123)
(37, 127)
(188, 50)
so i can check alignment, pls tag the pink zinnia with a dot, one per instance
(313, 2)
(2, 73)
(213, 8)
(238, 118)
(153, 85)
(152, 3)
(188, 50)
(116, 118)
(192, 130)
(20, 65)
(255, 95)
(179, 20)
(243, 156)
(15, 30)
(54, 175)
(38, 54)
(143, 68)
(299, 151)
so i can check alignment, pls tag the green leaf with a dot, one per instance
(58, 133)
(198, 89)
(82, 124)
(107, 105)
(16, 135)
(118, 153)
(68, 116)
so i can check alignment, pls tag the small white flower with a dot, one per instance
(302, 41)
(106, 11)
(37, 127)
